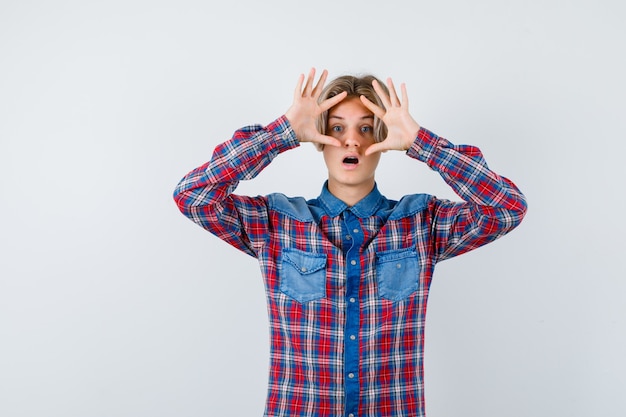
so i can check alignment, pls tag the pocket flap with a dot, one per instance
(305, 262)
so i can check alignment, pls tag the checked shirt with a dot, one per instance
(347, 287)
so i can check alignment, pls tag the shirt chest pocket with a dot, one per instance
(397, 274)
(303, 275)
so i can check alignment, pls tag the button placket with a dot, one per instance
(352, 227)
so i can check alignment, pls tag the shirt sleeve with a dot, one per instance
(492, 206)
(205, 194)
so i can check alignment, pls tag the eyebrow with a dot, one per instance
(342, 118)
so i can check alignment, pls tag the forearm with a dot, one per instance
(243, 157)
(464, 168)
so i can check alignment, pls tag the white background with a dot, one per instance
(113, 304)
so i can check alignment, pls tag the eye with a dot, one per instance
(366, 129)
(336, 128)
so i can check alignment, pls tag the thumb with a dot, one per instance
(376, 147)
(326, 140)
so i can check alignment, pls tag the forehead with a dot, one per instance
(350, 108)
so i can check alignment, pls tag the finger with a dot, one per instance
(377, 110)
(381, 94)
(309, 83)
(393, 96)
(328, 103)
(298, 91)
(405, 96)
(320, 84)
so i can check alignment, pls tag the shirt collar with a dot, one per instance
(366, 207)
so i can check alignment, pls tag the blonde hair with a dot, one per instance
(355, 87)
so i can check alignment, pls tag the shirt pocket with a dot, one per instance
(303, 275)
(397, 274)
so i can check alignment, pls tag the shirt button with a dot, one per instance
(355, 231)
(351, 415)
(398, 266)
(352, 299)
(352, 337)
(353, 262)
(350, 375)
(303, 269)
(348, 237)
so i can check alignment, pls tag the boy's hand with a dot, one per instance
(401, 127)
(305, 110)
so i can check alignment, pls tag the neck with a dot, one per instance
(350, 194)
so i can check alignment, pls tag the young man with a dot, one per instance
(347, 274)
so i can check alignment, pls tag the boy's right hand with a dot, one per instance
(305, 109)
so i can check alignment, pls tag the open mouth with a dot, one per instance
(352, 160)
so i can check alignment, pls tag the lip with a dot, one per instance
(351, 167)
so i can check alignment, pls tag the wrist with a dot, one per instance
(411, 136)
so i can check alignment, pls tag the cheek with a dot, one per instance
(374, 160)
(331, 152)
(328, 155)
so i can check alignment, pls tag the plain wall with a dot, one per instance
(113, 304)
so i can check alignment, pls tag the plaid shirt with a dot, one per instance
(347, 287)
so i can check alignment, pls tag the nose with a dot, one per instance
(352, 138)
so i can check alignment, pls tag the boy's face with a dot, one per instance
(349, 170)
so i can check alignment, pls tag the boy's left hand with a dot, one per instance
(401, 127)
